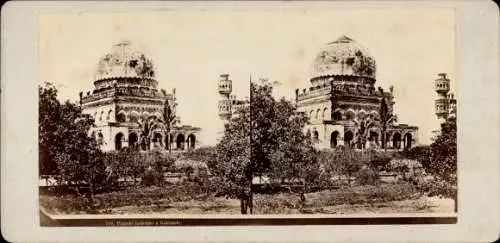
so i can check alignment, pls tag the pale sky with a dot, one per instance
(191, 49)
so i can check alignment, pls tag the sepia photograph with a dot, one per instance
(252, 112)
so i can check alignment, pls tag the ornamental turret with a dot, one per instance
(442, 84)
(445, 102)
(225, 85)
(225, 89)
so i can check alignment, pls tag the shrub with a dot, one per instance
(66, 204)
(420, 153)
(192, 169)
(342, 161)
(439, 188)
(367, 176)
(409, 170)
(365, 194)
(380, 159)
(283, 203)
(152, 177)
(129, 163)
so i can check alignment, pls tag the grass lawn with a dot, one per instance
(176, 199)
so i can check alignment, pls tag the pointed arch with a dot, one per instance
(325, 115)
(121, 116)
(118, 141)
(334, 139)
(158, 139)
(315, 135)
(348, 138)
(373, 138)
(361, 114)
(134, 116)
(179, 140)
(337, 114)
(396, 140)
(145, 115)
(350, 115)
(132, 140)
(191, 141)
(407, 140)
(110, 113)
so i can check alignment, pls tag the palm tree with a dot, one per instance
(363, 127)
(145, 137)
(169, 120)
(386, 119)
(149, 126)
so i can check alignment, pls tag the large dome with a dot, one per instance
(124, 61)
(344, 57)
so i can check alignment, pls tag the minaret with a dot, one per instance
(225, 89)
(445, 102)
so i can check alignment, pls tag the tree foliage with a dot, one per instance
(79, 157)
(234, 168)
(65, 144)
(48, 139)
(294, 157)
(444, 159)
(264, 139)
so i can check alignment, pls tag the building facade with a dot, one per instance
(342, 100)
(125, 97)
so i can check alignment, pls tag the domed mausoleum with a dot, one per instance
(343, 104)
(125, 97)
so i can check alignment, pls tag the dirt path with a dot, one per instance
(231, 206)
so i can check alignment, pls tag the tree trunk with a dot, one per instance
(250, 202)
(455, 201)
(243, 204)
(383, 139)
(303, 197)
(169, 145)
(91, 193)
(246, 200)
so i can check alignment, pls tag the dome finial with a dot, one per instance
(123, 42)
(343, 39)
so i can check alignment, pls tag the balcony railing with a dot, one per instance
(123, 91)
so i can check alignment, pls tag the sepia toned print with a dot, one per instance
(303, 126)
